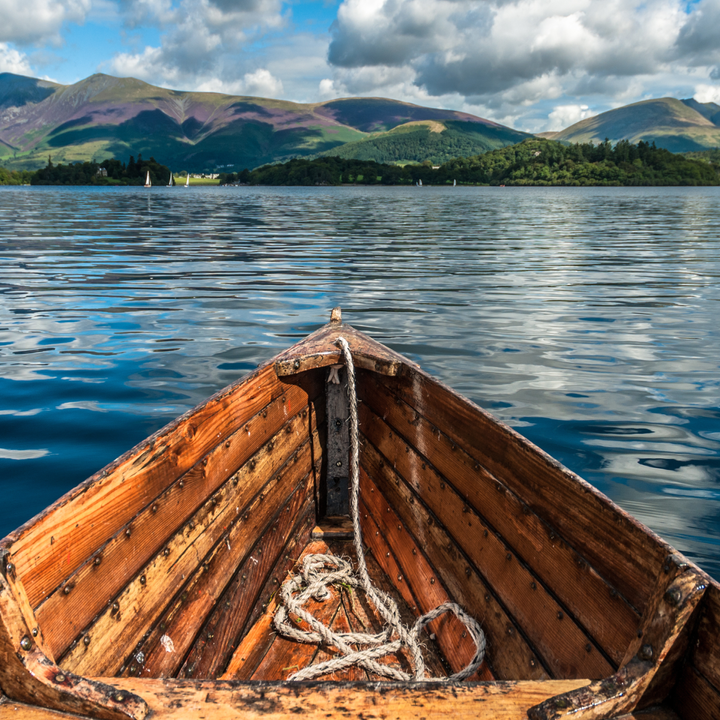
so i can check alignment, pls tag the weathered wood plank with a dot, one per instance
(706, 655)
(597, 606)
(695, 698)
(262, 573)
(397, 553)
(182, 621)
(122, 625)
(256, 642)
(566, 648)
(54, 544)
(557, 495)
(26, 675)
(175, 699)
(509, 654)
(86, 592)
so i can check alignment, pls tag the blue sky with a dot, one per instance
(532, 64)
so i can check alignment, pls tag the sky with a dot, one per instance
(531, 64)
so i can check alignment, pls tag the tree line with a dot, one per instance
(531, 162)
(107, 172)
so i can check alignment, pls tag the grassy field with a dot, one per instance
(180, 180)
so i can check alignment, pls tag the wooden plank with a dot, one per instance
(263, 573)
(509, 654)
(597, 606)
(706, 655)
(567, 650)
(123, 624)
(54, 544)
(181, 622)
(86, 592)
(27, 676)
(175, 699)
(560, 497)
(695, 698)
(259, 638)
(337, 449)
(397, 553)
(10, 710)
(319, 350)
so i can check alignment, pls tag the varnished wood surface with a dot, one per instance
(176, 699)
(436, 461)
(584, 517)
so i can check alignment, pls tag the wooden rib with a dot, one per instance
(695, 698)
(181, 699)
(400, 558)
(565, 646)
(183, 619)
(213, 648)
(259, 638)
(144, 598)
(597, 606)
(560, 497)
(62, 615)
(706, 655)
(51, 546)
(509, 654)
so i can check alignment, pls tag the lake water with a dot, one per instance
(589, 319)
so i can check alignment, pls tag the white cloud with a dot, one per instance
(34, 21)
(261, 83)
(13, 61)
(565, 115)
(707, 94)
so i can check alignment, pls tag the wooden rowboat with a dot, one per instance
(149, 590)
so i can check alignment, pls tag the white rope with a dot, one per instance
(320, 572)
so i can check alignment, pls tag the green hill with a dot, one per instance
(106, 117)
(431, 140)
(676, 125)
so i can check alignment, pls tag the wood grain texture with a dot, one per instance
(26, 674)
(122, 625)
(257, 641)
(175, 699)
(566, 649)
(509, 654)
(186, 615)
(695, 698)
(50, 547)
(706, 654)
(86, 592)
(584, 595)
(410, 572)
(254, 582)
(551, 491)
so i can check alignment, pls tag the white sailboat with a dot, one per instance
(419, 183)
(454, 183)
(147, 180)
(171, 181)
(187, 182)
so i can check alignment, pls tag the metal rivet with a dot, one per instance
(128, 533)
(166, 552)
(205, 461)
(560, 615)
(181, 483)
(227, 443)
(142, 580)
(26, 643)
(532, 662)
(154, 507)
(432, 581)
(508, 556)
(60, 678)
(119, 697)
(399, 527)
(338, 463)
(387, 554)
(86, 640)
(646, 652)
(533, 585)
(442, 485)
(674, 596)
(116, 606)
(511, 631)
(399, 577)
(10, 569)
(296, 364)
(414, 551)
(97, 560)
(35, 632)
(67, 589)
(468, 571)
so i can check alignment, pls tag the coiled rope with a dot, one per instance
(319, 572)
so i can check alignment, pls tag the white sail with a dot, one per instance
(171, 181)
(419, 183)
(454, 183)
(187, 182)
(147, 180)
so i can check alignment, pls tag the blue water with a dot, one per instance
(586, 318)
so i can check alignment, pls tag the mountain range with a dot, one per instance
(676, 125)
(103, 116)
